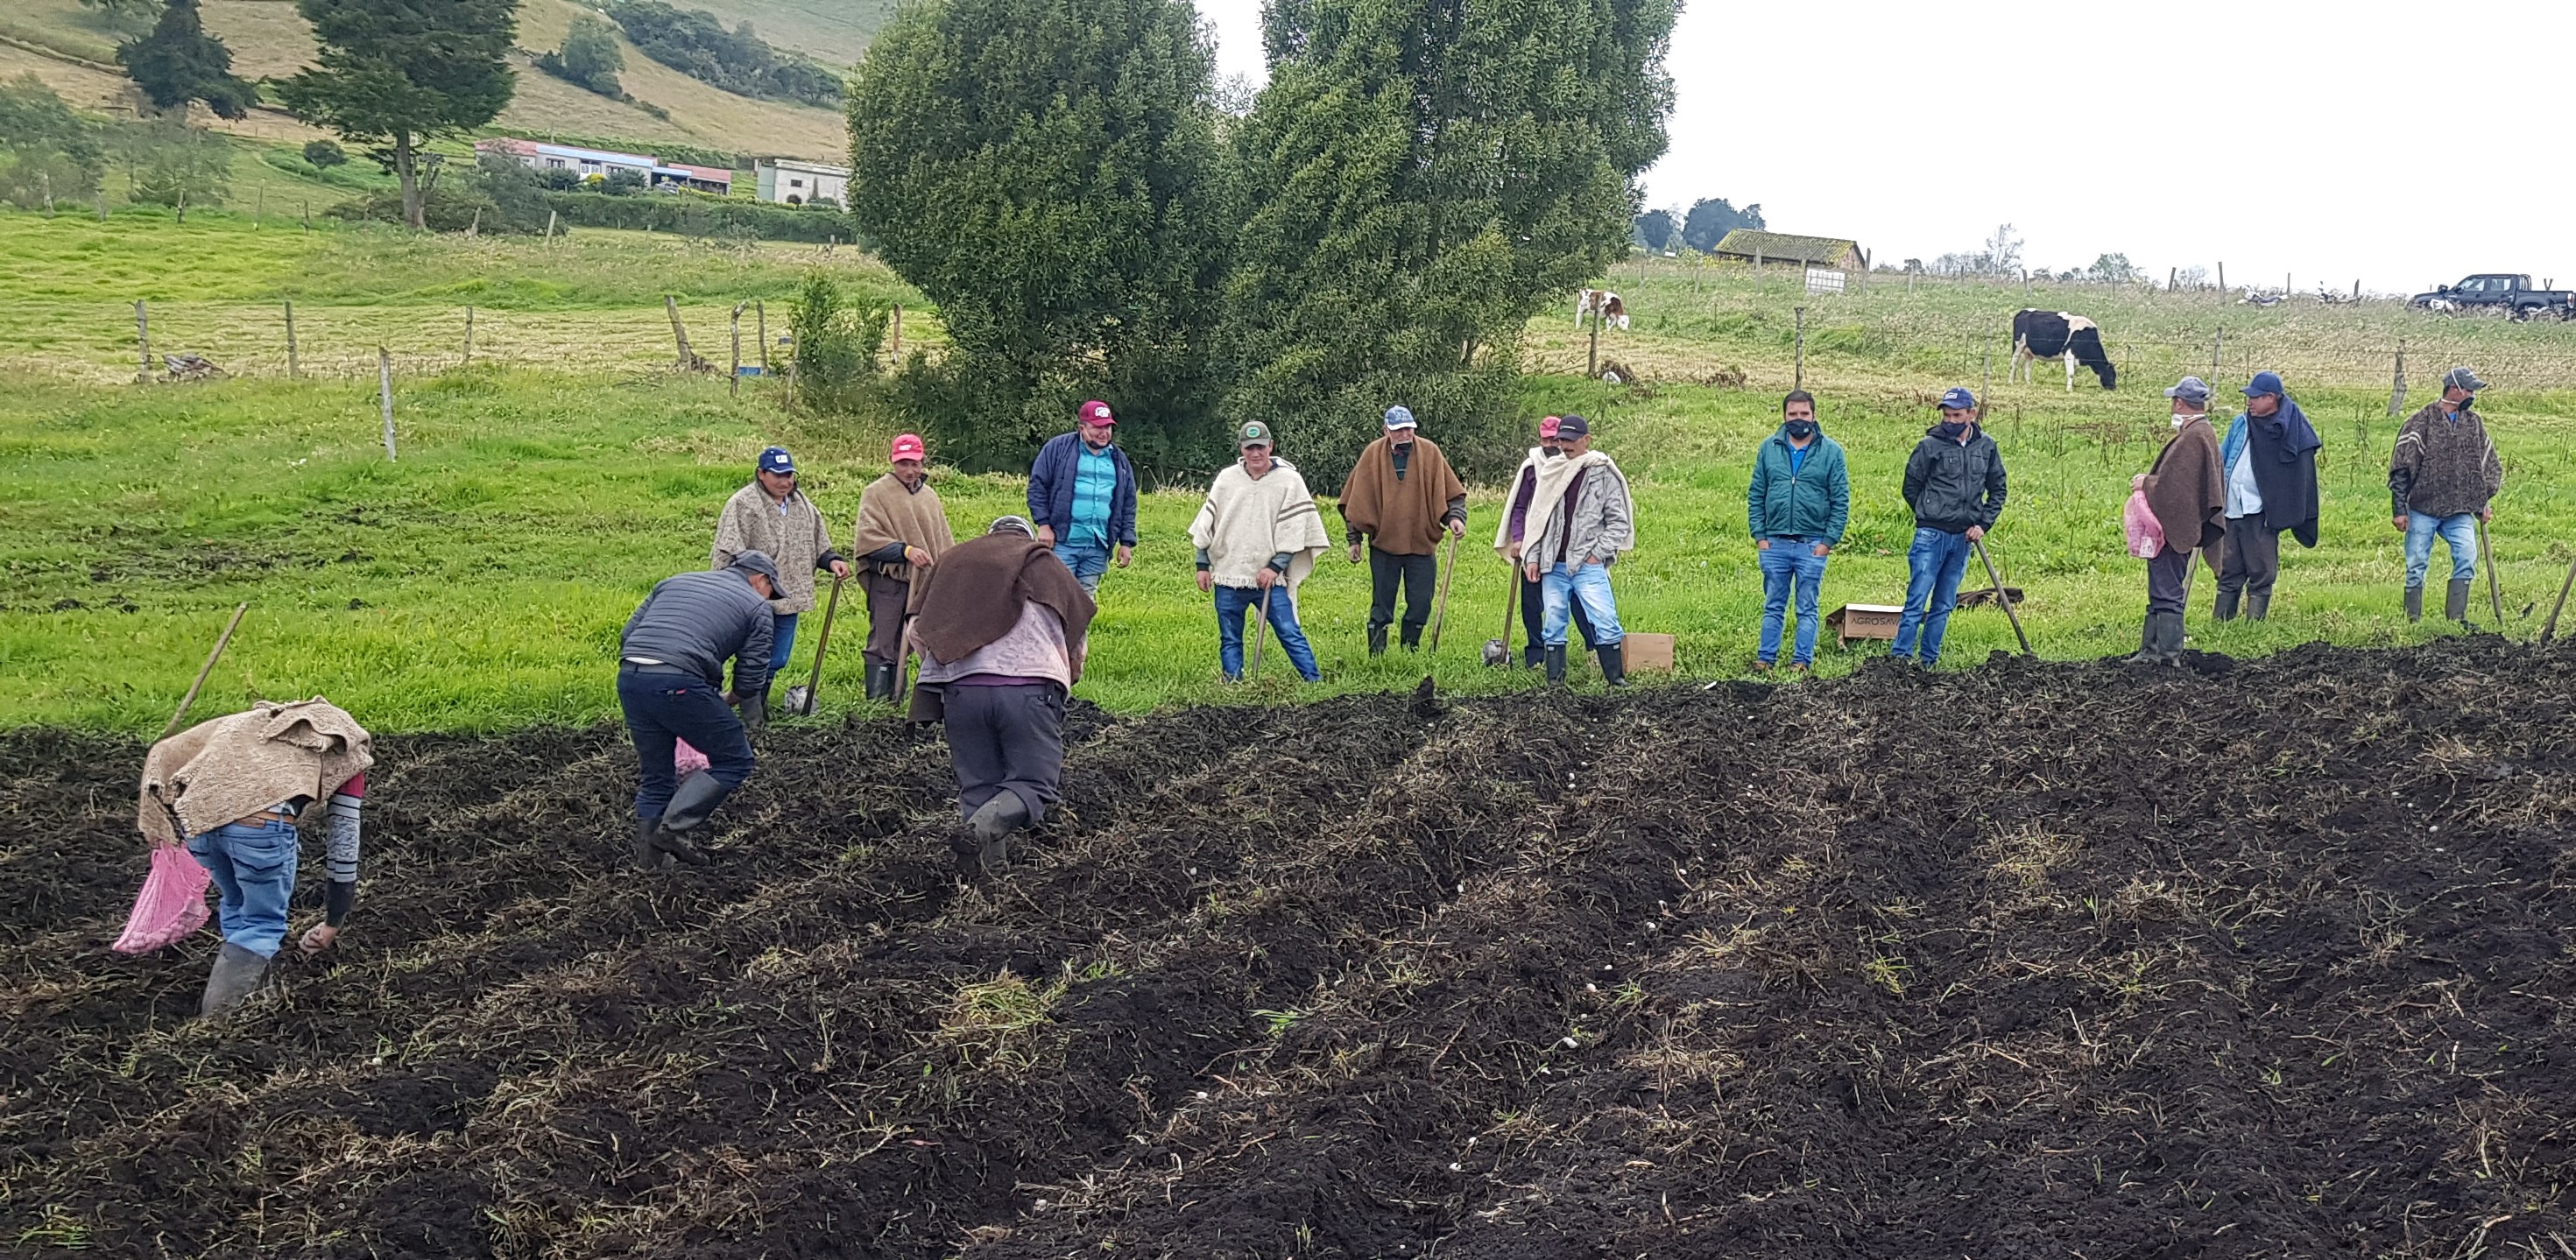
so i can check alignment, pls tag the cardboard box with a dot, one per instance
(1646, 651)
(1864, 621)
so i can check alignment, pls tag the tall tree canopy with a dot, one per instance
(1711, 218)
(403, 71)
(1655, 229)
(179, 62)
(1423, 176)
(1048, 172)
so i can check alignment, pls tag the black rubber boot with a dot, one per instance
(2455, 602)
(238, 976)
(880, 680)
(1377, 640)
(649, 856)
(1533, 656)
(1614, 664)
(753, 708)
(2414, 603)
(2258, 607)
(992, 824)
(1411, 637)
(2147, 634)
(2168, 631)
(1556, 664)
(2227, 604)
(692, 803)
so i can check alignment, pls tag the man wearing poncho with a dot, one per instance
(1258, 535)
(903, 530)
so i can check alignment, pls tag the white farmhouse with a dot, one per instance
(793, 182)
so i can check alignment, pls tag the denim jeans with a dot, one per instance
(1786, 563)
(1561, 587)
(1933, 566)
(782, 643)
(662, 709)
(1087, 560)
(2459, 532)
(1232, 601)
(253, 866)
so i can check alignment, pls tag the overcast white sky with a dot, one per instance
(2334, 142)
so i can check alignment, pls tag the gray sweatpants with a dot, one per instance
(1006, 739)
(2253, 560)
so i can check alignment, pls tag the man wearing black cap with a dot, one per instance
(2442, 476)
(1581, 520)
(2270, 459)
(1954, 481)
(670, 682)
(772, 516)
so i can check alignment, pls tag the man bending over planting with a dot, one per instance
(1257, 537)
(1002, 627)
(231, 790)
(773, 516)
(1955, 483)
(670, 682)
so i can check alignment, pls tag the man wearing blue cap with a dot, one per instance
(773, 517)
(1402, 497)
(2270, 455)
(1954, 481)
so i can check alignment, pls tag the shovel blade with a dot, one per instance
(800, 701)
(1496, 653)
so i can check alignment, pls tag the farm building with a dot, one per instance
(1747, 244)
(538, 155)
(791, 182)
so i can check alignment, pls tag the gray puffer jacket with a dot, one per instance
(1601, 525)
(696, 620)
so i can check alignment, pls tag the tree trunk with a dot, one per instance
(407, 171)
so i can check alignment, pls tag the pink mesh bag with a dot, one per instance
(172, 904)
(686, 761)
(2146, 533)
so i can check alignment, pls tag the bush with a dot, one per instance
(325, 154)
(169, 163)
(441, 210)
(589, 58)
(47, 153)
(697, 214)
(694, 43)
(835, 345)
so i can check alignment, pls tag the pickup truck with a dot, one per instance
(2503, 291)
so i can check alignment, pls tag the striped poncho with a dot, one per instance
(1245, 521)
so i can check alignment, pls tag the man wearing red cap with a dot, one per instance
(1508, 540)
(903, 529)
(1082, 495)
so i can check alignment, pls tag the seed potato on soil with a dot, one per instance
(2260, 959)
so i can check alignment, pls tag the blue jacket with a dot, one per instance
(1814, 501)
(1051, 489)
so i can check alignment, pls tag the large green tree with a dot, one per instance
(1048, 172)
(1425, 175)
(179, 62)
(403, 71)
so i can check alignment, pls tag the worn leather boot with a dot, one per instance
(1377, 640)
(2455, 602)
(2227, 604)
(1614, 665)
(238, 976)
(2258, 607)
(1556, 664)
(2414, 603)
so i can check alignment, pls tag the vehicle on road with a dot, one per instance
(2505, 292)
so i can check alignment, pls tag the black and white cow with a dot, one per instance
(2039, 334)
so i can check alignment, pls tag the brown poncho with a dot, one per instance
(977, 594)
(2186, 490)
(1402, 518)
(889, 513)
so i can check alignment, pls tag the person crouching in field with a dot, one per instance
(1509, 540)
(231, 790)
(773, 516)
(1954, 481)
(670, 683)
(1002, 627)
(902, 532)
(1402, 498)
(2270, 457)
(2442, 475)
(1796, 504)
(1581, 520)
(1257, 536)
(2189, 499)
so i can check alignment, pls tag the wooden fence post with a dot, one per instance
(258, 207)
(1798, 379)
(385, 396)
(550, 227)
(143, 340)
(475, 228)
(2217, 352)
(896, 355)
(2397, 390)
(469, 335)
(2222, 277)
(760, 317)
(293, 369)
(734, 388)
(671, 305)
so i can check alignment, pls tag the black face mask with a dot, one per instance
(1951, 430)
(1549, 447)
(2468, 402)
(1801, 429)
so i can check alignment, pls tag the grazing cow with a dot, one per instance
(2039, 334)
(1602, 303)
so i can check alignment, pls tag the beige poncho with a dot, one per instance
(1245, 521)
(233, 767)
(890, 513)
(791, 533)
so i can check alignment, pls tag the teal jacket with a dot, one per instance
(1813, 502)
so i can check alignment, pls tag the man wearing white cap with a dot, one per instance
(1402, 497)
(2442, 476)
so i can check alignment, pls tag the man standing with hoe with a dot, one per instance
(1257, 537)
(1954, 481)
(1581, 520)
(1509, 541)
(2442, 476)
(1797, 503)
(2270, 458)
(670, 682)
(1082, 494)
(1403, 498)
(1003, 628)
(903, 530)
(775, 518)
(2189, 498)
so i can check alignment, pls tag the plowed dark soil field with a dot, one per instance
(2045, 960)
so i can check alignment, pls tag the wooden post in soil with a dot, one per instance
(143, 340)
(760, 322)
(733, 388)
(385, 396)
(469, 337)
(896, 354)
(1592, 355)
(671, 306)
(294, 369)
(1798, 373)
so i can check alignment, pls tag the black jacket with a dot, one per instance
(696, 620)
(1951, 486)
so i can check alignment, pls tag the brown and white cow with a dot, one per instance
(1603, 304)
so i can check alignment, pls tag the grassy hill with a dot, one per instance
(831, 31)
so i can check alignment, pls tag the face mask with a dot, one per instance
(1801, 429)
(1548, 447)
(2180, 421)
(2468, 402)
(1951, 430)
